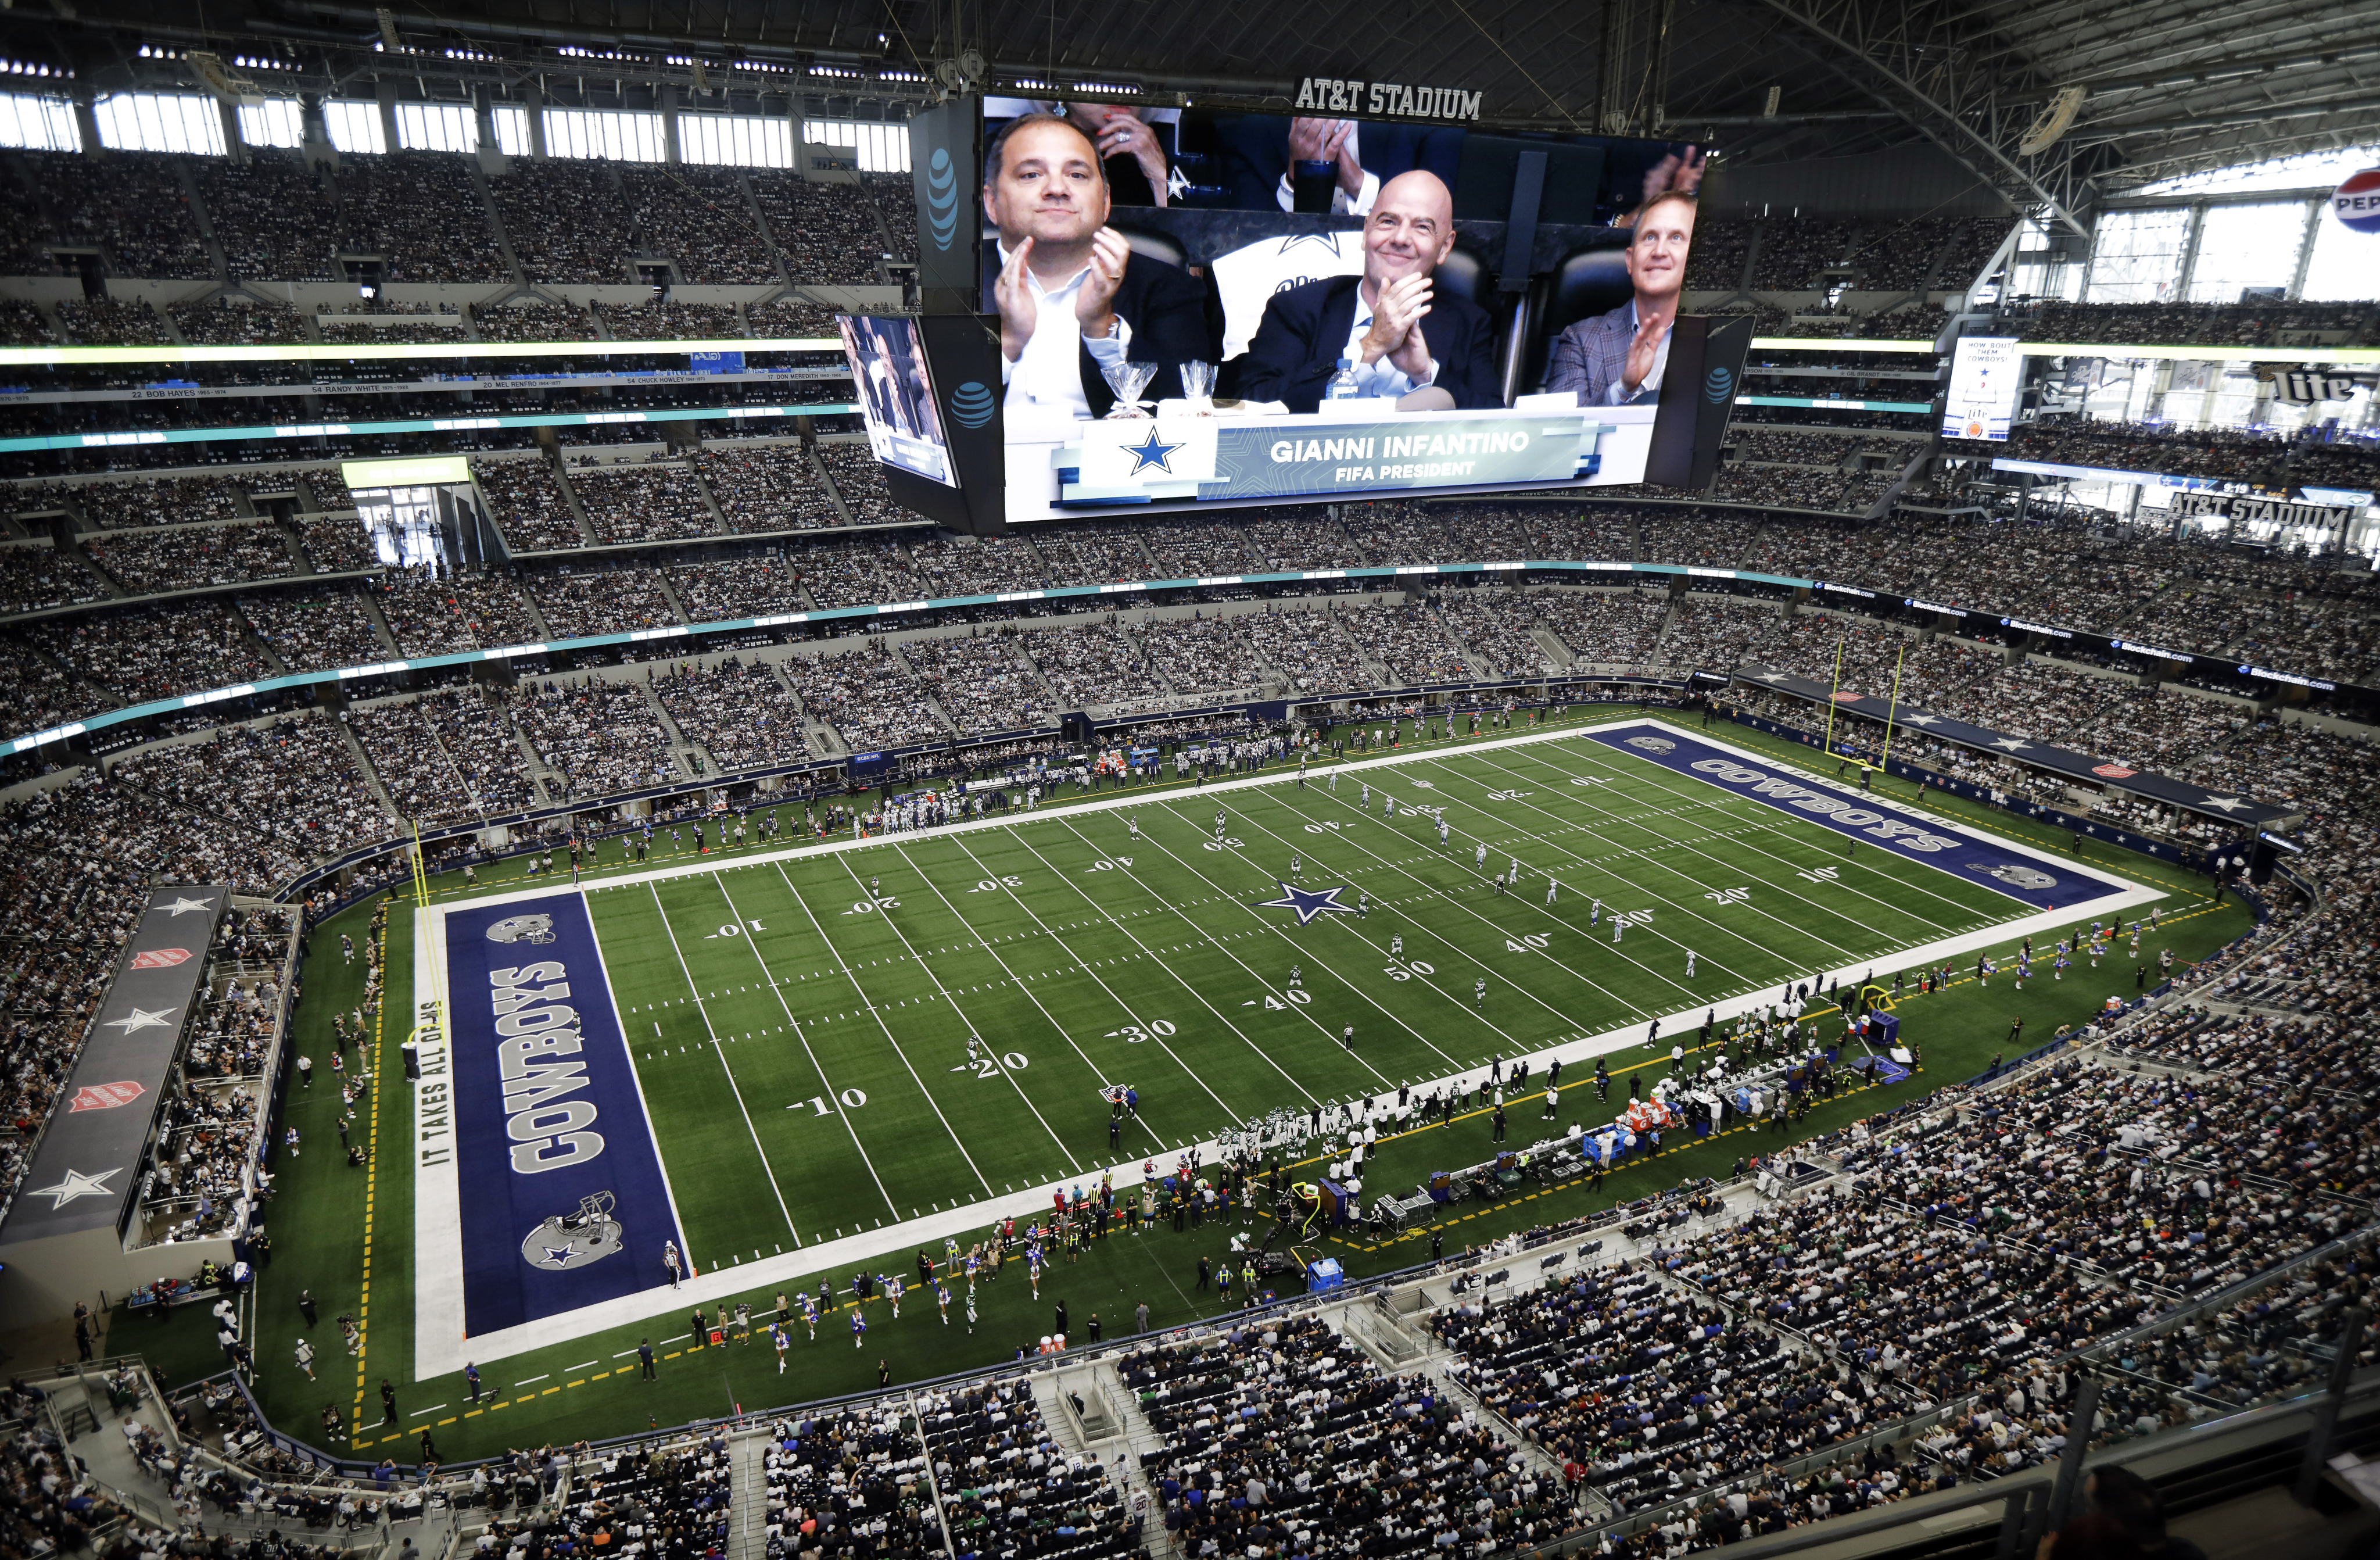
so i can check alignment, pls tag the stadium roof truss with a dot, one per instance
(2165, 87)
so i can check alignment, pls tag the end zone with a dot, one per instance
(532, 1102)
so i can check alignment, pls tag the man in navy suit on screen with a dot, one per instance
(1395, 328)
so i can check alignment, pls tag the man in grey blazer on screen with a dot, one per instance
(1619, 358)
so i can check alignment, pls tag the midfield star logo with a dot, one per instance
(1308, 902)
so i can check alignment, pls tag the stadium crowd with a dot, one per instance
(1283, 1435)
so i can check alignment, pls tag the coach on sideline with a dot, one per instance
(1619, 358)
(1073, 298)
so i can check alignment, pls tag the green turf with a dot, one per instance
(766, 1002)
(1055, 970)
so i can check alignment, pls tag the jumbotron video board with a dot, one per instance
(1172, 310)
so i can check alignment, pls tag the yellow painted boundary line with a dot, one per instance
(371, 1173)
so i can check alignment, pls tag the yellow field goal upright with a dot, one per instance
(429, 1017)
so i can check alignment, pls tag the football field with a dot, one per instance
(766, 1057)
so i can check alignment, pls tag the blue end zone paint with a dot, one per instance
(564, 1202)
(2044, 886)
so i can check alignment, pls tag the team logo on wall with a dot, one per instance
(522, 929)
(1653, 744)
(2032, 879)
(573, 1240)
(105, 1096)
(2112, 771)
(160, 958)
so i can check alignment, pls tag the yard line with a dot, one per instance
(1769, 821)
(1011, 973)
(1282, 936)
(1302, 1011)
(886, 918)
(1196, 995)
(845, 966)
(1724, 931)
(721, 1052)
(1630, 1008)
(1149, 1028)
(419, 1412)
(795, 1026)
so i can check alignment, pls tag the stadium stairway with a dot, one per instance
(1478, 663)
(1131, 637)
(747, 1497)
(1557, 651)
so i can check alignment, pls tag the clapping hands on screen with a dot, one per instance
(1121, 134)
(1327, 141)
(1396, 326)
(1093, 301)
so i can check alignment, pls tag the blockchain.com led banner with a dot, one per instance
(2043, 883)
(562, 1200)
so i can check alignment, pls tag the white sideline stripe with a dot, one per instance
(437, 1171)
(436, 1355)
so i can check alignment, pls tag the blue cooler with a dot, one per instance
(1324, 1275)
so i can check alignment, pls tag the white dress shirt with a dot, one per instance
(1383, 377)
(1616, 393)
(1047, 376)
(1341, 205)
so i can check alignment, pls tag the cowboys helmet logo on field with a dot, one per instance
(522, 929)
(573, 1240)
(1653, 744)
(2032, 879)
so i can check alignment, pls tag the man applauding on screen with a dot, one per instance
(1397, 331)
(1073, 298)
(1617, 358)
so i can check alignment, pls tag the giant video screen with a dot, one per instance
(1204, 310)
(896, 395)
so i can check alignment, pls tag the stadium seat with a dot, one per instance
(1153, 245)
(1588, 282)
(1464, 274)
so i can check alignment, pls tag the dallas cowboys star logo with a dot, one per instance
(1914, 719)
(1152, 452)
(2225, 803)
(1771, 676)
(2015, 744)
(1327, 240)
(560, 1255)
(1307, 902)
(181, 903)
(142, 1020)
(76, 1185)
